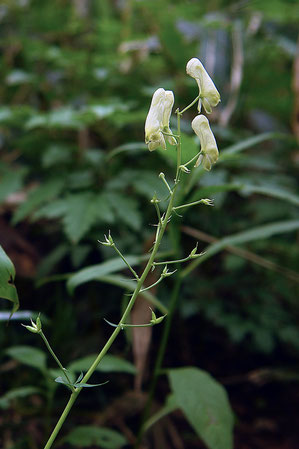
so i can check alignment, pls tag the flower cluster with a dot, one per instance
(157, 128)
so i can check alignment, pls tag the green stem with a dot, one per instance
(54, 355)
(140, 281)
(178, 147)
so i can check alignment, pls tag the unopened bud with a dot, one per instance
(156, 320)
(207, 202)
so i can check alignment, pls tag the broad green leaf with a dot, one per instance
(11, 182)
(109, 364)
(64, 117)
(205, 404)
(95, 271)
(7, 276)
(260, 232)
(16, 393)
(82, 210)
(85, 436)
(42, 194)
(56, 155)
(125, 209)
(169, 406)
(79, 216)
(29, 356)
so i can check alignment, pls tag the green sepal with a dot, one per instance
(77, 383)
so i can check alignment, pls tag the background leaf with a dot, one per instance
(205, 404)
(110, 363)
(84, 436)
(7, 276)
(28, 356)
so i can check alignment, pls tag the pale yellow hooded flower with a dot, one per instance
(157, 120)
(208, 94)
(209, 151)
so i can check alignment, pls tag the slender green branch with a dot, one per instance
(205, 201)
(124, 325)
(157, 210)
(190, 257)
(193, 159)
(153, 285)
(162, 176)
(54, 356)
(125, 260)
(178, 147)
(189, 106)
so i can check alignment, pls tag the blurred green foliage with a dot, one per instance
(76, 82)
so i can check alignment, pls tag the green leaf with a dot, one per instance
(109, 364)
(29, 356)
(45, 192)
(61, 380)
(125, 209)
(169, 406)
(79, 216)
(11, 182)
(82, 210)
(95, 271)
(84, 436)
(205, 404)
(16, 393)
(7, 276)
(260, 232)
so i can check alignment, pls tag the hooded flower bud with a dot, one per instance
(157, 120)
(209, 150)
(208, 94)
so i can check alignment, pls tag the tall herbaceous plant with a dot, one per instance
(158, 134)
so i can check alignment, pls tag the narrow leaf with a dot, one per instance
(45, 192)
(260, 232)
(95, 271)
